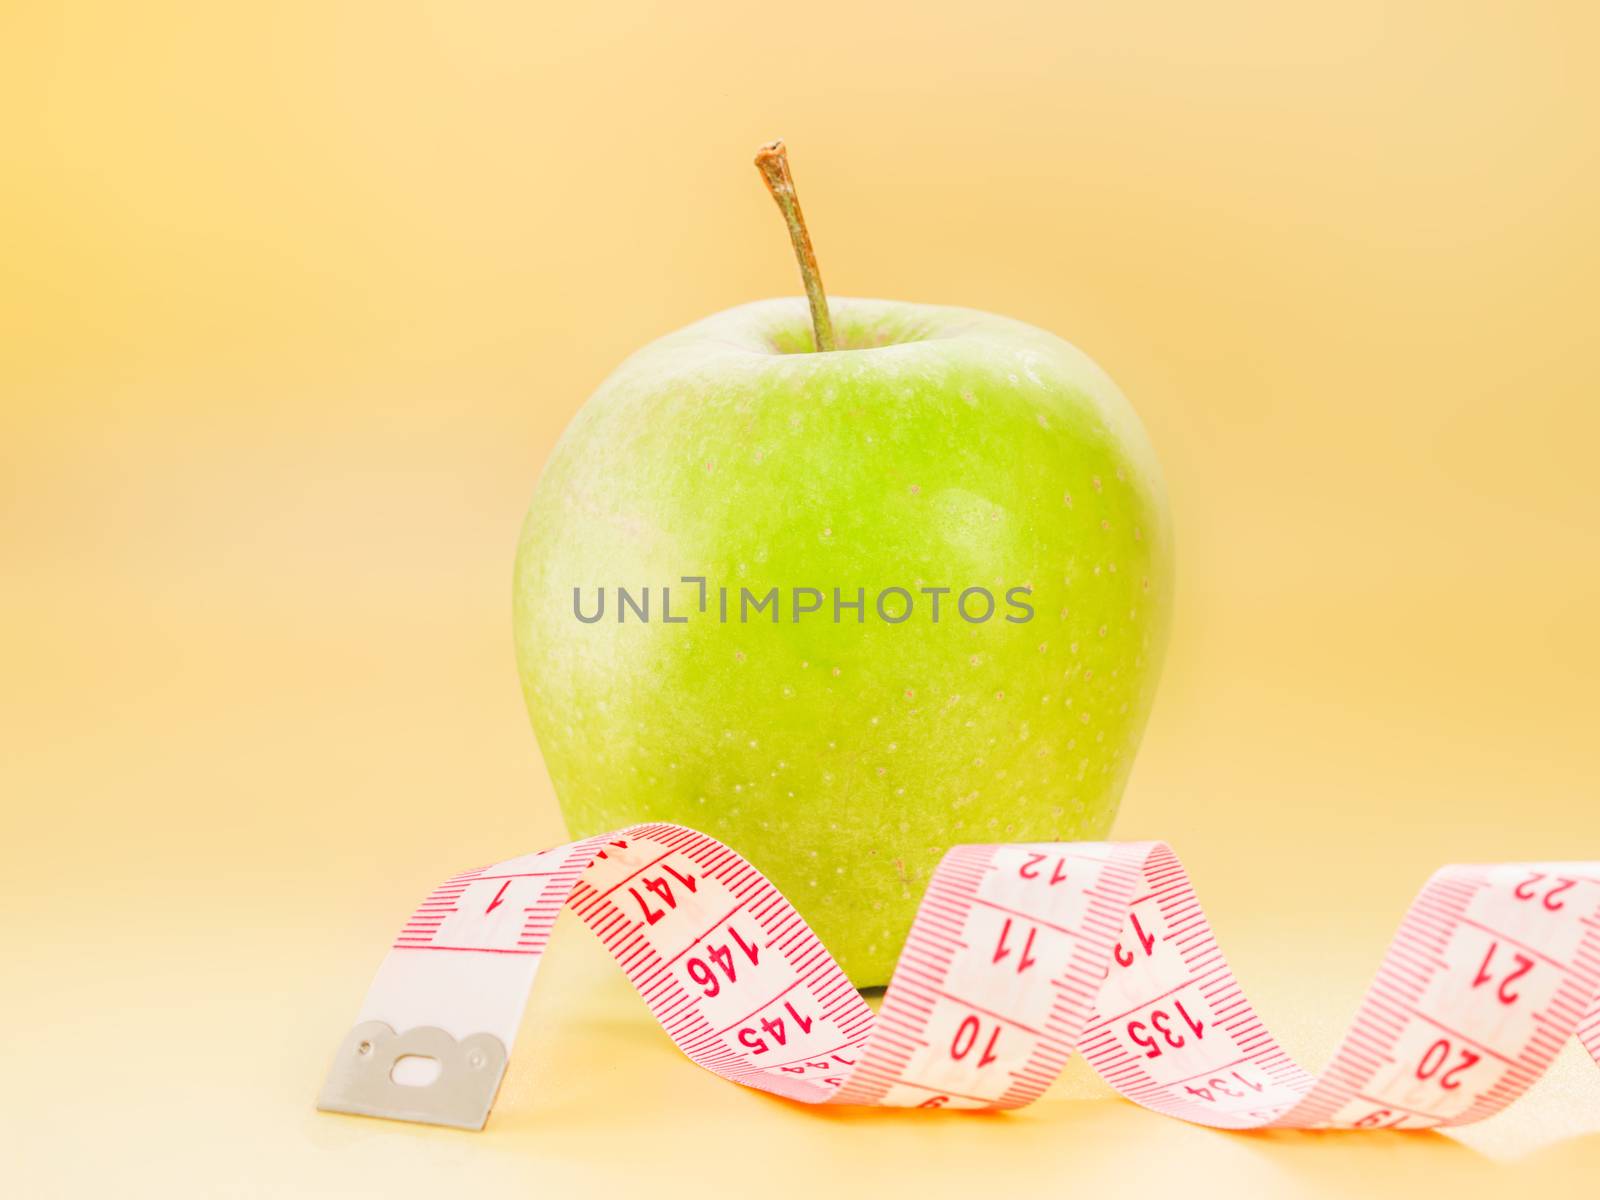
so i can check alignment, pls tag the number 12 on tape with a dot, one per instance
(1019, 954)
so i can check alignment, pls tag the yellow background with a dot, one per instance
(295, 299)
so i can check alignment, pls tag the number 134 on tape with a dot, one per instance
(1019, 954)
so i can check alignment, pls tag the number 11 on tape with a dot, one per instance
(1019, 954)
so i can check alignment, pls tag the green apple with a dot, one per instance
(844, 609)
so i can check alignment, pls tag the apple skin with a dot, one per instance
(938, 447)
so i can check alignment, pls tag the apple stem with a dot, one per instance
(773, 162)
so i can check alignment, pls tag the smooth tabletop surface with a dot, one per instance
(204, 915)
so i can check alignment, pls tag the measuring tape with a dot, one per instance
(1018, 955)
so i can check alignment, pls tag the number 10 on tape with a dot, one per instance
(1019, 954)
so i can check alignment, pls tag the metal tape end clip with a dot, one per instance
(463, 1087)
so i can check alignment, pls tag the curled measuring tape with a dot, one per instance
(1018, 955)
